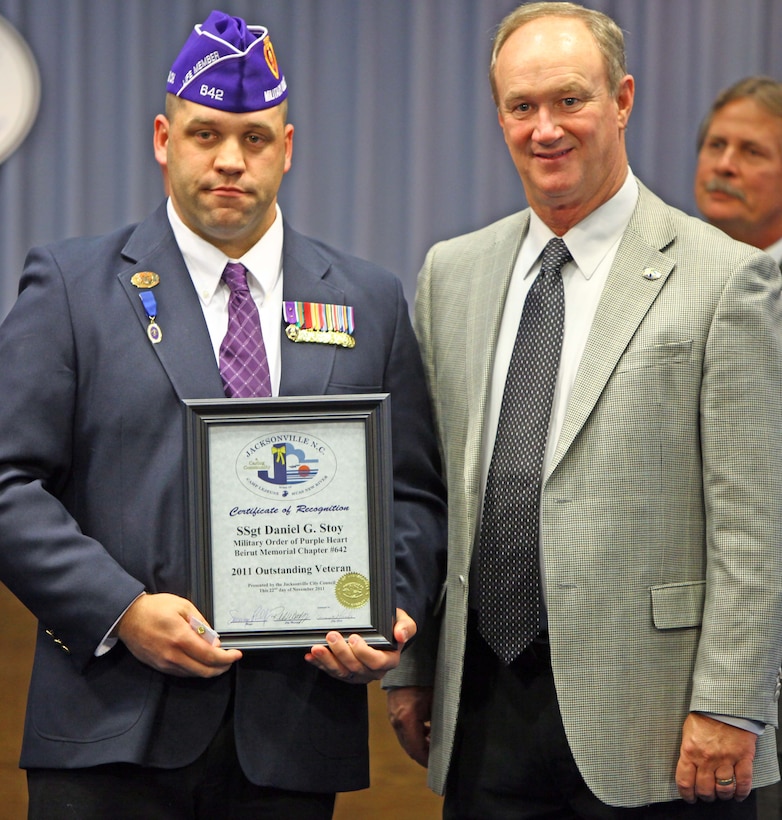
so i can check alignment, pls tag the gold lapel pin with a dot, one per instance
(145, 279)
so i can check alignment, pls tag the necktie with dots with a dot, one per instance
(509, 569)
(244, 367)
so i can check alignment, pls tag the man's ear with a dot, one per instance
(160, 140)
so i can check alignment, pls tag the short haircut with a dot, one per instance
(765, 91)
(608, 37)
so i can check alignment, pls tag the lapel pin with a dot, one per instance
(651, 274)
(145, 280)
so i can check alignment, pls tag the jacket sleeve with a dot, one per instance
(66, 578)
(741, 439)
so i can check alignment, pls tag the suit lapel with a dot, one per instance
(489, 287)
(306, 366)
(636, 278)
(185, 350)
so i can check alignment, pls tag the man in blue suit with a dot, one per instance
(130, 712)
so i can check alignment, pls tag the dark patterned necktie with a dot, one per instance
(244, 367)
(509, 570)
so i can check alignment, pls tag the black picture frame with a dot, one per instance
(292, 537)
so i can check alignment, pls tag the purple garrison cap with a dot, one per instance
(229, 65)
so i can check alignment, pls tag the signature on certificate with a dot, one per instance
(274, 614)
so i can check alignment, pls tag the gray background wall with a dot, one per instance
(396, 144)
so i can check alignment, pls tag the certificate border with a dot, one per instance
(258, 415)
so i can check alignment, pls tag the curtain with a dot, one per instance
(396, 144)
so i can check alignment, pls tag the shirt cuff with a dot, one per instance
(740, 723)
(110, 639)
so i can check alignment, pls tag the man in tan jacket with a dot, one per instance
(651, 674)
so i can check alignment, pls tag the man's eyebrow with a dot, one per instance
(204, 122)
(751, 143)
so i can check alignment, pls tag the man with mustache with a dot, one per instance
(738, 180)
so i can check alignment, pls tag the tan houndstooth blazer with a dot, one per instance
(662, 512)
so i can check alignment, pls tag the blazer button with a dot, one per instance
(58, 642)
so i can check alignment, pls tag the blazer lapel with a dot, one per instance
(488, 291)
(306, 367)
(185, 350)
(637, 276)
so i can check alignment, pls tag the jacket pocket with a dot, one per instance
(657, 356)
(675, 606)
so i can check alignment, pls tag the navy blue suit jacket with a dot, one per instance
(93, 502)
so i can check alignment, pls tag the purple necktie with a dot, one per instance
(243, 364)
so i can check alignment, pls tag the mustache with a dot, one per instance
(723, 187)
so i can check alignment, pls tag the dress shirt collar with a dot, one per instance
(775, 251)
(591, 239)
(206, 263)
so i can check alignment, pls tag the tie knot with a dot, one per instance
(235, 276)
(555, 255)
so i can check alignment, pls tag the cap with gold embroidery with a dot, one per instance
(229, 65)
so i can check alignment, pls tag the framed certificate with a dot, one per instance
(291, 504)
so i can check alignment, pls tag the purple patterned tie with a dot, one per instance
(243, 364)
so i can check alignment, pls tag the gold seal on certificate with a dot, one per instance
(352, 590)
(291, 518)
